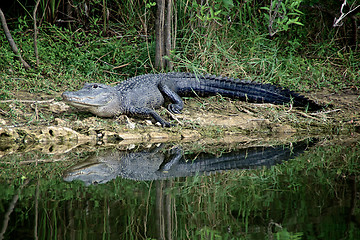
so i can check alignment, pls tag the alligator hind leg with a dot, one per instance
(144, 111)
(177, 103)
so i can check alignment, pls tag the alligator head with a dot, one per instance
(99, 99)
(97, 169)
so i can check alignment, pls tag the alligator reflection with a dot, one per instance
(161, 163)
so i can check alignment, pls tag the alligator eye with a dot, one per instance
(95, 86)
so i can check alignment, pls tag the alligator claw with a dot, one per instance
(174, 108)
(167, 124)
(164, 123)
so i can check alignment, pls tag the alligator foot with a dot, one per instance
(175, 108)
(166, 124)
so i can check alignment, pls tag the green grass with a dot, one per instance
(68, 59)
(238, 48)
(258, 58)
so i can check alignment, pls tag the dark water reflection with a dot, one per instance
(159, 162)
(312, 196)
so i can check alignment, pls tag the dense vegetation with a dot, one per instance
(111, 40)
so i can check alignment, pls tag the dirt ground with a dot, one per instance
(44, 118)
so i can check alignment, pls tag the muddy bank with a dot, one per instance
(47, 120)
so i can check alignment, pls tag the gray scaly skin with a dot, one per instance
(142, 94)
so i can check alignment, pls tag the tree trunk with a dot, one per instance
(167, 33)
(159, 30)
(163, 29)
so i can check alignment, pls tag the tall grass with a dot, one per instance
(236, 44)
(213, 38)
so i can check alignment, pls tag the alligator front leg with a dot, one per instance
(144, 111)
(176, 155)
(177, 104)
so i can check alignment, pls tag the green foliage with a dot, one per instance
(281, 14)
(65, 56)
(220, 37)
(206, 13)
(149, 4)
(49, 9)
(285, 234)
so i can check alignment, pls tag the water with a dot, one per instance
(302, 190)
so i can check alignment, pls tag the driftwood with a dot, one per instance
(11, 40)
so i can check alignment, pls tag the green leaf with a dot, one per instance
(298, 11)
(299, 23)
(228, 4)
(293, 14)
(217, 12)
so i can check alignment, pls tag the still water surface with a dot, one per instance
(301, 190)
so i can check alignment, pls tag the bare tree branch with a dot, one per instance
(339, 21)
(35, 33)
(273, 15)
(11, 41)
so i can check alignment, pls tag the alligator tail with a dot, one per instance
(244, 90)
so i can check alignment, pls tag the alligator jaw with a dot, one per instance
(78, 102)
(100, 104)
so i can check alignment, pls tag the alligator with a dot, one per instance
(142, 94)
(159, 163)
